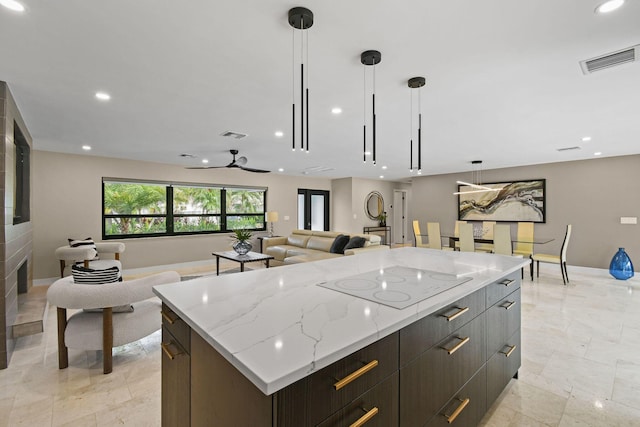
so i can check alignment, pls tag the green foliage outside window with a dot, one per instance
(134, 209)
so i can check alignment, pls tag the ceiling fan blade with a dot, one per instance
(253, 170)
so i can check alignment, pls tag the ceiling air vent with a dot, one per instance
(568, 148)
(610, 60)
(232, 134)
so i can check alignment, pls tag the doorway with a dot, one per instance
(313, 209)
(399, 217)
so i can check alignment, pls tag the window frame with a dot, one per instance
(170, 215)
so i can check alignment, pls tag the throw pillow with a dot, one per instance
(337, 247)
(88, 242)
(89, 276)
(355, 242)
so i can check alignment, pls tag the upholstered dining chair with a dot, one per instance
(435, 238)
(502, 243)
(418, 235)
(487, 233)
(555, 259)
(95, 326)
(456, 232)
(524, 239)
(467, 244)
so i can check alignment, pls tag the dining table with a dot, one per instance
(480, 239)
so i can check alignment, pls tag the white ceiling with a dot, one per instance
(503, 81)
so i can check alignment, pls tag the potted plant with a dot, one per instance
(382, 219)
(241, 238)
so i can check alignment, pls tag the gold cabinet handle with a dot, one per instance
(508, 305)
(458, 346)
(507, 282)
(463, 404)
(356, 374)
(366, 417)
(511, 349)
(457, 314)
(167, 350)
(168, 318)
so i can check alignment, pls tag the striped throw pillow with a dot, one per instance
(89, 276)
(88, 242)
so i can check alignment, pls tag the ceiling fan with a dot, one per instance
(235, 163)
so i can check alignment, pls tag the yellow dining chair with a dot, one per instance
(555, 259)
(435, 238)
(487, 233)
(467, 244)
(456, 232)
(502, 243)
(418, 235)
(524, 239)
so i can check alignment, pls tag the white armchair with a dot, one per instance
(87, 255)
(105, 330)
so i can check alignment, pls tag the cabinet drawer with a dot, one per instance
(314, 398)
(176, 382)
(378, 407)
(502, 287)
(503, 320)
(426, 332)
(467, 406)
(428, 382)
(502, 366)
(178, 328)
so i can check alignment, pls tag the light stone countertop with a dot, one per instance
(276, 326)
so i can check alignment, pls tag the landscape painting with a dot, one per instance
(503, 201)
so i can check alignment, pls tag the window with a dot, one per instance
(21, 206)
(143, 209)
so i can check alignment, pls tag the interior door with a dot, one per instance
(313, 209)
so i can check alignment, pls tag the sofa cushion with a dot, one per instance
(315, 256)
(337, 247)
(320, 243)
(278, 252)
(355, 242)
(298, 240)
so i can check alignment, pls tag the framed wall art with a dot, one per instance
(503, 201)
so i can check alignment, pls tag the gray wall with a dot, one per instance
(67, 202)
(15, 240)
(590, 194)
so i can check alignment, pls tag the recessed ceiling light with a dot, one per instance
(205, 161)
(336, 110)
(384, 167)
(419, 172)
(103, 96)
(609, 6)
(13, 5)
(367, 153)
(86, 147)
(597, 153)
(279, 133)
(586, 139)
(280, 170)
(381, 176)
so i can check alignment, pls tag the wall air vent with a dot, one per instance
(568, 148)
(232, 134)
(610, 60)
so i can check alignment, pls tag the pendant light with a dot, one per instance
(369, 58)
(416, 83)
(476, 181)
(301, 18)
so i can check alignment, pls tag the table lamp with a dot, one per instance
(271, 217)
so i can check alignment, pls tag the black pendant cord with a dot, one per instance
(307, 108)
(374, 128)
(301, 107)
(419, 142)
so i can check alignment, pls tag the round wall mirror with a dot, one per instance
(374, 205)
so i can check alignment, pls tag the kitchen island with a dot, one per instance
(276, 348)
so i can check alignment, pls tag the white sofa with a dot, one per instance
(307, 245)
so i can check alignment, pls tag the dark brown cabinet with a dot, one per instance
(444, 369)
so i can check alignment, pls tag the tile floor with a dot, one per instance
(580, 366)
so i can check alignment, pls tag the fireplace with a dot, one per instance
(23, 278)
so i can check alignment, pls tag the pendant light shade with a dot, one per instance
(416, 83)
(370, 58)
(301, 18)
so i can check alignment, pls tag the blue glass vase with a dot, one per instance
(621, 266)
